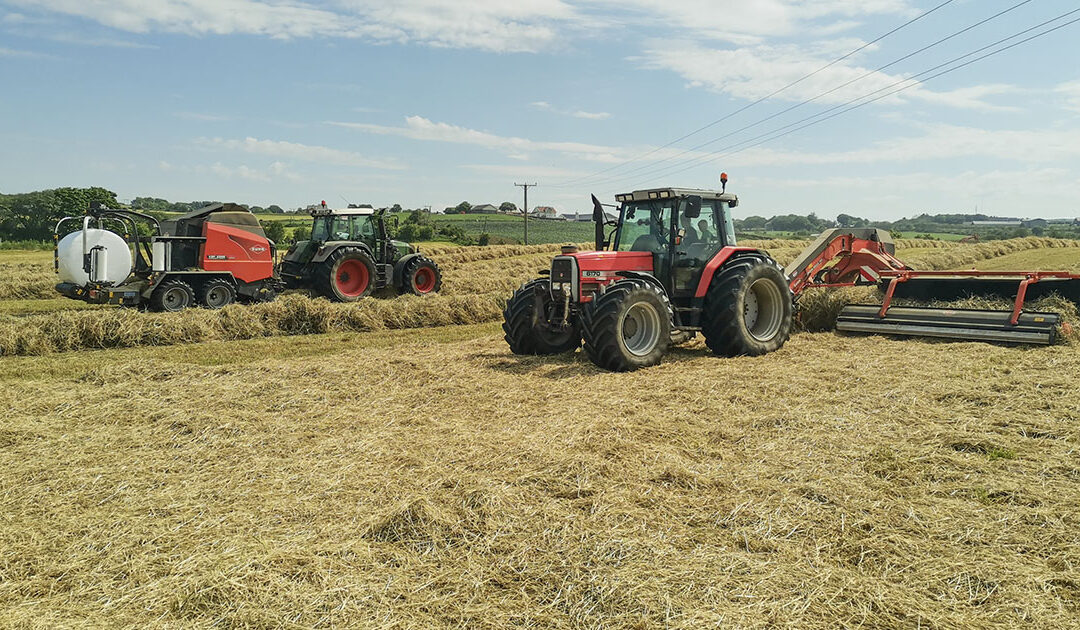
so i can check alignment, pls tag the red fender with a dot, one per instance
(713, 265)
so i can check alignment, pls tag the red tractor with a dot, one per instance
(668, 269)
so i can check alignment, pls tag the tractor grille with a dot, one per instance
(562, 270)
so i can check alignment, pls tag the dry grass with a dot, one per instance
(348, 480)
(291, 315)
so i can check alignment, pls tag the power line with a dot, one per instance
(767, 97)
(853, 103)
(654, 164)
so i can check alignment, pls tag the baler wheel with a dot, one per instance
(525, 323)
(216, 293)
(628, 327)
(748, 308)
(172, 296)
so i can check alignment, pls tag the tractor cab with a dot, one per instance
(682, 228)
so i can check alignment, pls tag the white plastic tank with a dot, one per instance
(113, 261)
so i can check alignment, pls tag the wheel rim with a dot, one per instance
(424, 280)
(641, 328)
(351, 278)
(175, 299)
(763, 309)
(218, 296)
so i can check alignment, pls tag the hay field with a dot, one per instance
(422, 479)
(390, 465)
(34, 321)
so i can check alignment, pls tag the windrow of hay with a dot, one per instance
(63, 331)
(964, 256)
(22, 281)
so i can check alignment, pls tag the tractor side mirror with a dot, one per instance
(693, 207)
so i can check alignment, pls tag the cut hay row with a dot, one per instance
(964, 256)
(64, 331)
(24, 281)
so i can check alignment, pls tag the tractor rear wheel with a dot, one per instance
(628, 327)
(748, 308)
(525, 322)
(347, 275)
(216, 293)
(171, 296)
(421, 276)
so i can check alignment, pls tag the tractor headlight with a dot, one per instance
(556, 285)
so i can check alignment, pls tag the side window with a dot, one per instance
(341, 229)
(729, 223)
(365, 229)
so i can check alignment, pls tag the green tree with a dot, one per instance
(508, 206)
(463, 207)
(32, 216)
(275, 231)
(754, 223)
(302, 233)
(275, 209)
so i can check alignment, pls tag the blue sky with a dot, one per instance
(426, 102)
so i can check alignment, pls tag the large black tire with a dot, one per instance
(628, 327)
(171, 296)
(421, 276)
(748, 308)
(346, 275)
(525, 323)
(216, 293)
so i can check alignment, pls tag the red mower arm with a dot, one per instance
(860, 254)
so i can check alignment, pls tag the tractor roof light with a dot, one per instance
(664, 194)
(654, 195)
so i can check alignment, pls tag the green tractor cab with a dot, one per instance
(350, 254)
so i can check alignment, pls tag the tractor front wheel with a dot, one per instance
(421, 276)
(748, 308)
(172, 296)
(347, 275)
(628, 327)
(526, 326)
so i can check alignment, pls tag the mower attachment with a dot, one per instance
(975, 325)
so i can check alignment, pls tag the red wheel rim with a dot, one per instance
(352, 278)
(424, 280)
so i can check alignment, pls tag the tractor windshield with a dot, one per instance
(644, 226)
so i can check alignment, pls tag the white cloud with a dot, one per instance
(1070, 94)
(420, 128)
(544, 105)
(239, 172)
(98, 42)
(937, 142)
(753, 72)
(11, 52)
(297, 151)
(525, 25)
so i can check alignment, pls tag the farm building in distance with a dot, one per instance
(1028, 223)
(545, 212)
(483, 208)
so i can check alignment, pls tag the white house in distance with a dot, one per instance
(544, 212)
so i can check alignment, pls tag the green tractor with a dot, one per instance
(350, 254)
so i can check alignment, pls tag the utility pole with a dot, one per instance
(525, 189)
